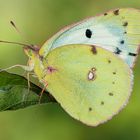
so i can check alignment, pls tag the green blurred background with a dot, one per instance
(38, 20)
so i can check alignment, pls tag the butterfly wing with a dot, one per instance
(90, 83)
(117, 31)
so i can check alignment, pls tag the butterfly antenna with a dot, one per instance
(18, 31)
(31, 46)
(13, 24)
(11, 42)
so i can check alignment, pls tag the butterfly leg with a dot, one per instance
(41, 94)
(26, 68)
(28, 79)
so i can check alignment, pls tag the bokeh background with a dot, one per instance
(38, 20)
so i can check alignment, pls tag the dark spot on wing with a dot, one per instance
(102, 103)
(118, 51)
(122, 42)
(88, 33)
(109, 61)
(105, 14)
(116, 12)
(132, 54)
(93, 49)
(111, 94)
(90, 109)
(125, 24)
(114, 72)
(113, 82)
(125, 32)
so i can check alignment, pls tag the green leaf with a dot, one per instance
(15, 93)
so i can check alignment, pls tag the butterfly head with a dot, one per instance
(31, 50)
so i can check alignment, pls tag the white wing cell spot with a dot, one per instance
(92, 74)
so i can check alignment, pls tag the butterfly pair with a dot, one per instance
(87, 66)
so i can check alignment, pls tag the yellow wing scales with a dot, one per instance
(90, 83)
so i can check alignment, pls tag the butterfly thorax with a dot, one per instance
(38, 64)
(34, 61)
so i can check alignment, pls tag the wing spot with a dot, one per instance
(102, 103)
(93, 49)
(116, 12)
(111, 94)
(90, 108)
(125, 32)
(91, 74)
(113, 82)
(114, 72)
(105, 14)
(88, 33)
(118, 51)
(132, 54)
(125, 24)
(122, 42)
(109, 61)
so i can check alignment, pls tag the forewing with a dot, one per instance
(117, 31)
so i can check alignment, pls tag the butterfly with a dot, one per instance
(87, 66)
